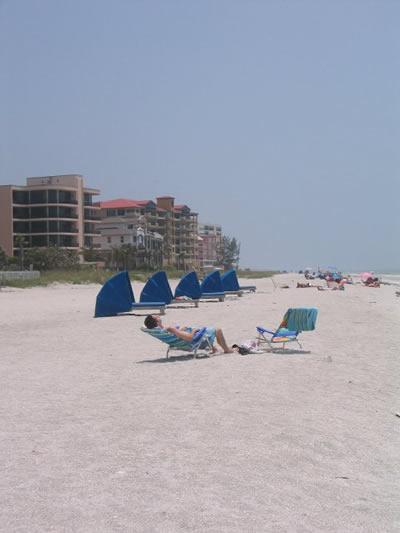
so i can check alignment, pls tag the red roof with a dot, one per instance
(121, 203)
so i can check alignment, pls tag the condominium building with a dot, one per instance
(147, 246)
(210, 243)
(48, 210)
(176, 224)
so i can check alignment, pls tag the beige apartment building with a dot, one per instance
(48, 210)
(176, 224)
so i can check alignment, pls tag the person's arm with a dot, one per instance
(184, 335)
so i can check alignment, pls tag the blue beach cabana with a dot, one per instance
(230, 284)
(211, 287)
(158, 288)
(116, 297)
(189, 287)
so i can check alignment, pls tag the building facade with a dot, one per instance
(145, 247)
(48, 211)
(175, 224)
(210, 242)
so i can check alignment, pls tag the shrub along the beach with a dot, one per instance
(51, 258)
(229, 252)
(3, 259)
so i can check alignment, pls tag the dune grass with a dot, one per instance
(85, 276)
(256, 274)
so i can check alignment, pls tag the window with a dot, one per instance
(66, 197)
(120, 212)
(52, 196)
(39, 227)
(121, 238)
(66, 212)
(39, 240)
(130, 226)
(53, 226)
(21, 227)
(67, 227)
(38, 197)
(21, 197)
(109, 240)
(21, 212)
(87, 199)
(39, 212)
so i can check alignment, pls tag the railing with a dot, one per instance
(25, 274)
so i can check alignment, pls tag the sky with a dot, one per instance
(279, 120)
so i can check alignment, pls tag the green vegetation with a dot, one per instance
(75, 277)
(229, 252)
(256, 274)
(81, 276)
(84, 275)
(62, 266)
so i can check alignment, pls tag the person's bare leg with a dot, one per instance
(221, 341)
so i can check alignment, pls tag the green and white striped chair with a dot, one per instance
(200, 340)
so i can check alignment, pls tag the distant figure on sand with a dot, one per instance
(372, 282)
(187, 333)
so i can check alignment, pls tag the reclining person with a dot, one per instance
(187, 333)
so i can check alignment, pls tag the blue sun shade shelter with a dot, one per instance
(158, 288)
(230, 283)
(116, 297)
(211, 287)
(188, 287)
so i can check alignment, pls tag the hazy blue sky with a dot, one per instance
(279, 120)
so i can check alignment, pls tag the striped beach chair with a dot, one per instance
(200, 340)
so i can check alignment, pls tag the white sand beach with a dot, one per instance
(101, 433)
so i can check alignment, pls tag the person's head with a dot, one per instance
(152, 321)
(240, 349)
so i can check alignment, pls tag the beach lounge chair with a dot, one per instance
(230, 284)
(189, 287)
(158, 288)
(116, 297)
(294, 322)
(200, 340)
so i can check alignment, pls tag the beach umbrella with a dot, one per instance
(366, 275)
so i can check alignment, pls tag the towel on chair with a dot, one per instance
(300, 319)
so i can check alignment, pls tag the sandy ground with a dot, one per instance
(100, 433)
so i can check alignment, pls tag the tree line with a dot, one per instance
(125, 257)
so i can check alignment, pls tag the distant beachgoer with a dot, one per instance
(372, 282)
(187, 333)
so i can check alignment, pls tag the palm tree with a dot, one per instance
(20, 242)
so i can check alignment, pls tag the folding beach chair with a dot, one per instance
(294, 322)
(200, 340)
